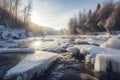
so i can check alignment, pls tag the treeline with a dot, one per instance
(15, 13)
(106, 17)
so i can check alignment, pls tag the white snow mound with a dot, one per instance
(112, 43)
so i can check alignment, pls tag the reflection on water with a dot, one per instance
(36, 44)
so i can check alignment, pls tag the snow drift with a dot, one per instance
(8, 33)
(112, 43)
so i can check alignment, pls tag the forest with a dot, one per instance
(17, 14)
(106, 17)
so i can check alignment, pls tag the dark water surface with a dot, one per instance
(72, 69)
(62, 69)
(7, 61)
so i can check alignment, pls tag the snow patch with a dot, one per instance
(8, 33)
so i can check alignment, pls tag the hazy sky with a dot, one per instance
(56, 13)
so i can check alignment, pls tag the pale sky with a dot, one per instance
(56, 13)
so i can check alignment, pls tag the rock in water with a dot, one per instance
(74, 51)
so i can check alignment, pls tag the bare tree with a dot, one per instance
(73, 26)
(17, 3)
(27, 11)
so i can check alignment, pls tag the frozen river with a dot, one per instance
(95, 59)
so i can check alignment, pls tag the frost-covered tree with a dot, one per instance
(112, 23)
(105, 17)
(105, 12)
(27, 10)
(81, 22)
(73, 26)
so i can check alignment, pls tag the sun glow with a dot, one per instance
(36, 44)
(38, 20)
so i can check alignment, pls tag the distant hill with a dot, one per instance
(50, 31)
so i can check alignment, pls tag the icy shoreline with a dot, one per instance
(99, 52)
(33, 64)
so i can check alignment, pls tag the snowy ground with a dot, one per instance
(7, 33)
(99, 52)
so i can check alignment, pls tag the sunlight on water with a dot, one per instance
(36, 44)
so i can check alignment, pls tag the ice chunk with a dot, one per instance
(101, 58)
(89, 49)
(109, 60)
(74, 51)
(17, 50)
(32, 64)
(101, 62)
(53, 47)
